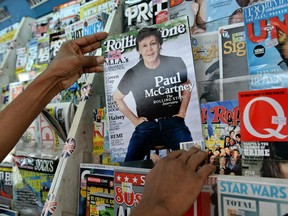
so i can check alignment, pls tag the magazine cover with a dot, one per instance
(43, 52)
(249, 196)
(254, 154)
(5, 95)
(232, 51)
(206, 62)
(100, 195)
(21, 60)
(87, 169)
(266, 38)
(160, 11)
(30, 188)
(6, 186)
(206, 203)
(183, 8)
(264, 115)
(8, 212)
(32, 50)
(56, 39)
(96, 7)
(223, 142)
(163, 92)
(138, 14)
(15, 88)
(128, 189)
(64, 15)
(223, 12)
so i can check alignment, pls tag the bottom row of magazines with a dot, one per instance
(110, 190)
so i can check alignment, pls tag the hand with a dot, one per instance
(70, 63)
(175, 182)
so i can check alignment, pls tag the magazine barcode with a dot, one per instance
(186, 145)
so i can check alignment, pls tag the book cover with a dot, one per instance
(224, 139)
(251, 196)
(128, 189)
(266, 39)
(264, 115)
(162, 92)
(206, 62)
(87, 169)
(100, 195)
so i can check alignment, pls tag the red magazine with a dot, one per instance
(263, 115)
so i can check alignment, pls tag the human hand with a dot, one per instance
(175, 182)
(70, 63)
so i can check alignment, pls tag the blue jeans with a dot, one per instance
(169, 132)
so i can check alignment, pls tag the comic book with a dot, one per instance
(206, 62)
(6, 189)
(88, 169)
(137, 14)
(128, 189)
(100, 195)
(164, 91)
(251, 196)
(266, 39)
(264, 115)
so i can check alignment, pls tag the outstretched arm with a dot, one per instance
(68, 65)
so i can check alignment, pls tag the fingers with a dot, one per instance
(206, 170)
(196, 159)
(91, 61)
(175, 154)
(187, 154)
(90, 39)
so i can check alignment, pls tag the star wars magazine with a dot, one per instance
(128, 189)
(206, 63)
(233, 60)
(250, 196)
(266, 38)
(121, 55)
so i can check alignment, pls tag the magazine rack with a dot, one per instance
(21, 38)
(64, 188)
